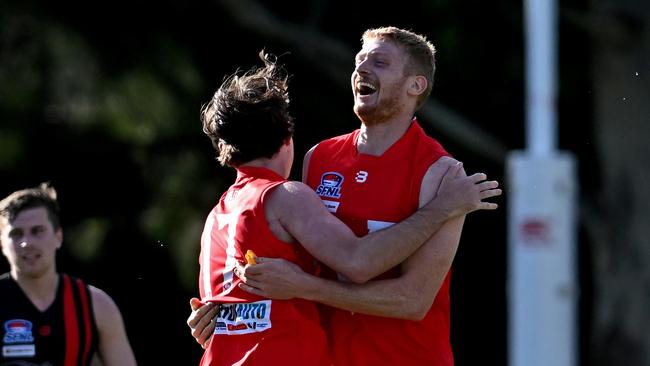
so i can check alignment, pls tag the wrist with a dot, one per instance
(310, 288)
(441, 209)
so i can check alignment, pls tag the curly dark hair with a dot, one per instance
(248, 116)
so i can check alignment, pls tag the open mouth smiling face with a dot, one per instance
(365, 88)
(365, 92)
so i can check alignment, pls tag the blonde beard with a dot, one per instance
(381, 112)
(377, 114)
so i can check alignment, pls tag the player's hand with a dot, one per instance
(201, 321)
(274, 278)
(460, 194)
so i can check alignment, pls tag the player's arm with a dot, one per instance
(302, 214)
(114, 347)
(409, 296)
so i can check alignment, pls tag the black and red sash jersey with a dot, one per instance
(65, 334)
(369, 193)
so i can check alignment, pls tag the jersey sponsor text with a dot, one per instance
(243, 318)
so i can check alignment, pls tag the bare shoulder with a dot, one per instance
(292, 201)
(100, 297)
(433, 177)
(309, 152)
(305, 162)
(293, 188)
(442, 165)
(104, 308)
(289, 195)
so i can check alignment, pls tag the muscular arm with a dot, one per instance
(408, 296)
(304, 217)
(279, 279)
(302, 214)
(114, 347)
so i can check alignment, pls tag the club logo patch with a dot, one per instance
(18, 331)
(330, 185)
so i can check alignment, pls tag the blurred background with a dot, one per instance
(102, 99)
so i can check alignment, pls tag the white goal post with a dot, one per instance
(542, 277)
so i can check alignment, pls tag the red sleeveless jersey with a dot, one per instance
(251, 330)
(369, 193)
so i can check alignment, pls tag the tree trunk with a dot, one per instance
(618, 217)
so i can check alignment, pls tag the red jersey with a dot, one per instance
(251, 330)
(370, 193)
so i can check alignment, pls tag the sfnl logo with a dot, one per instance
(330, 185)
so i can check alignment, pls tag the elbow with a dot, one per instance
(416, 310)
(359, 279)
(356, 269)
(407, 308)
(357, 275)
(417, 313)
(415, 305)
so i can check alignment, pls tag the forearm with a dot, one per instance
(411, 294)
(384, 249)
(408, 296)
(301, 213)
(279, 279)
(380, 298)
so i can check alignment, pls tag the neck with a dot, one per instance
(40, 290)
(376, 139)
(271, 164)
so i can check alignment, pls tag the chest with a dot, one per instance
(367, 192)
(64, 333)
(29, 334)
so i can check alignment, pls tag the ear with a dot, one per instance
(59, 238)
(418, 84)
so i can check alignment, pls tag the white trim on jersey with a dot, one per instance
(230, 221)
(206, 246)
(374, 225)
